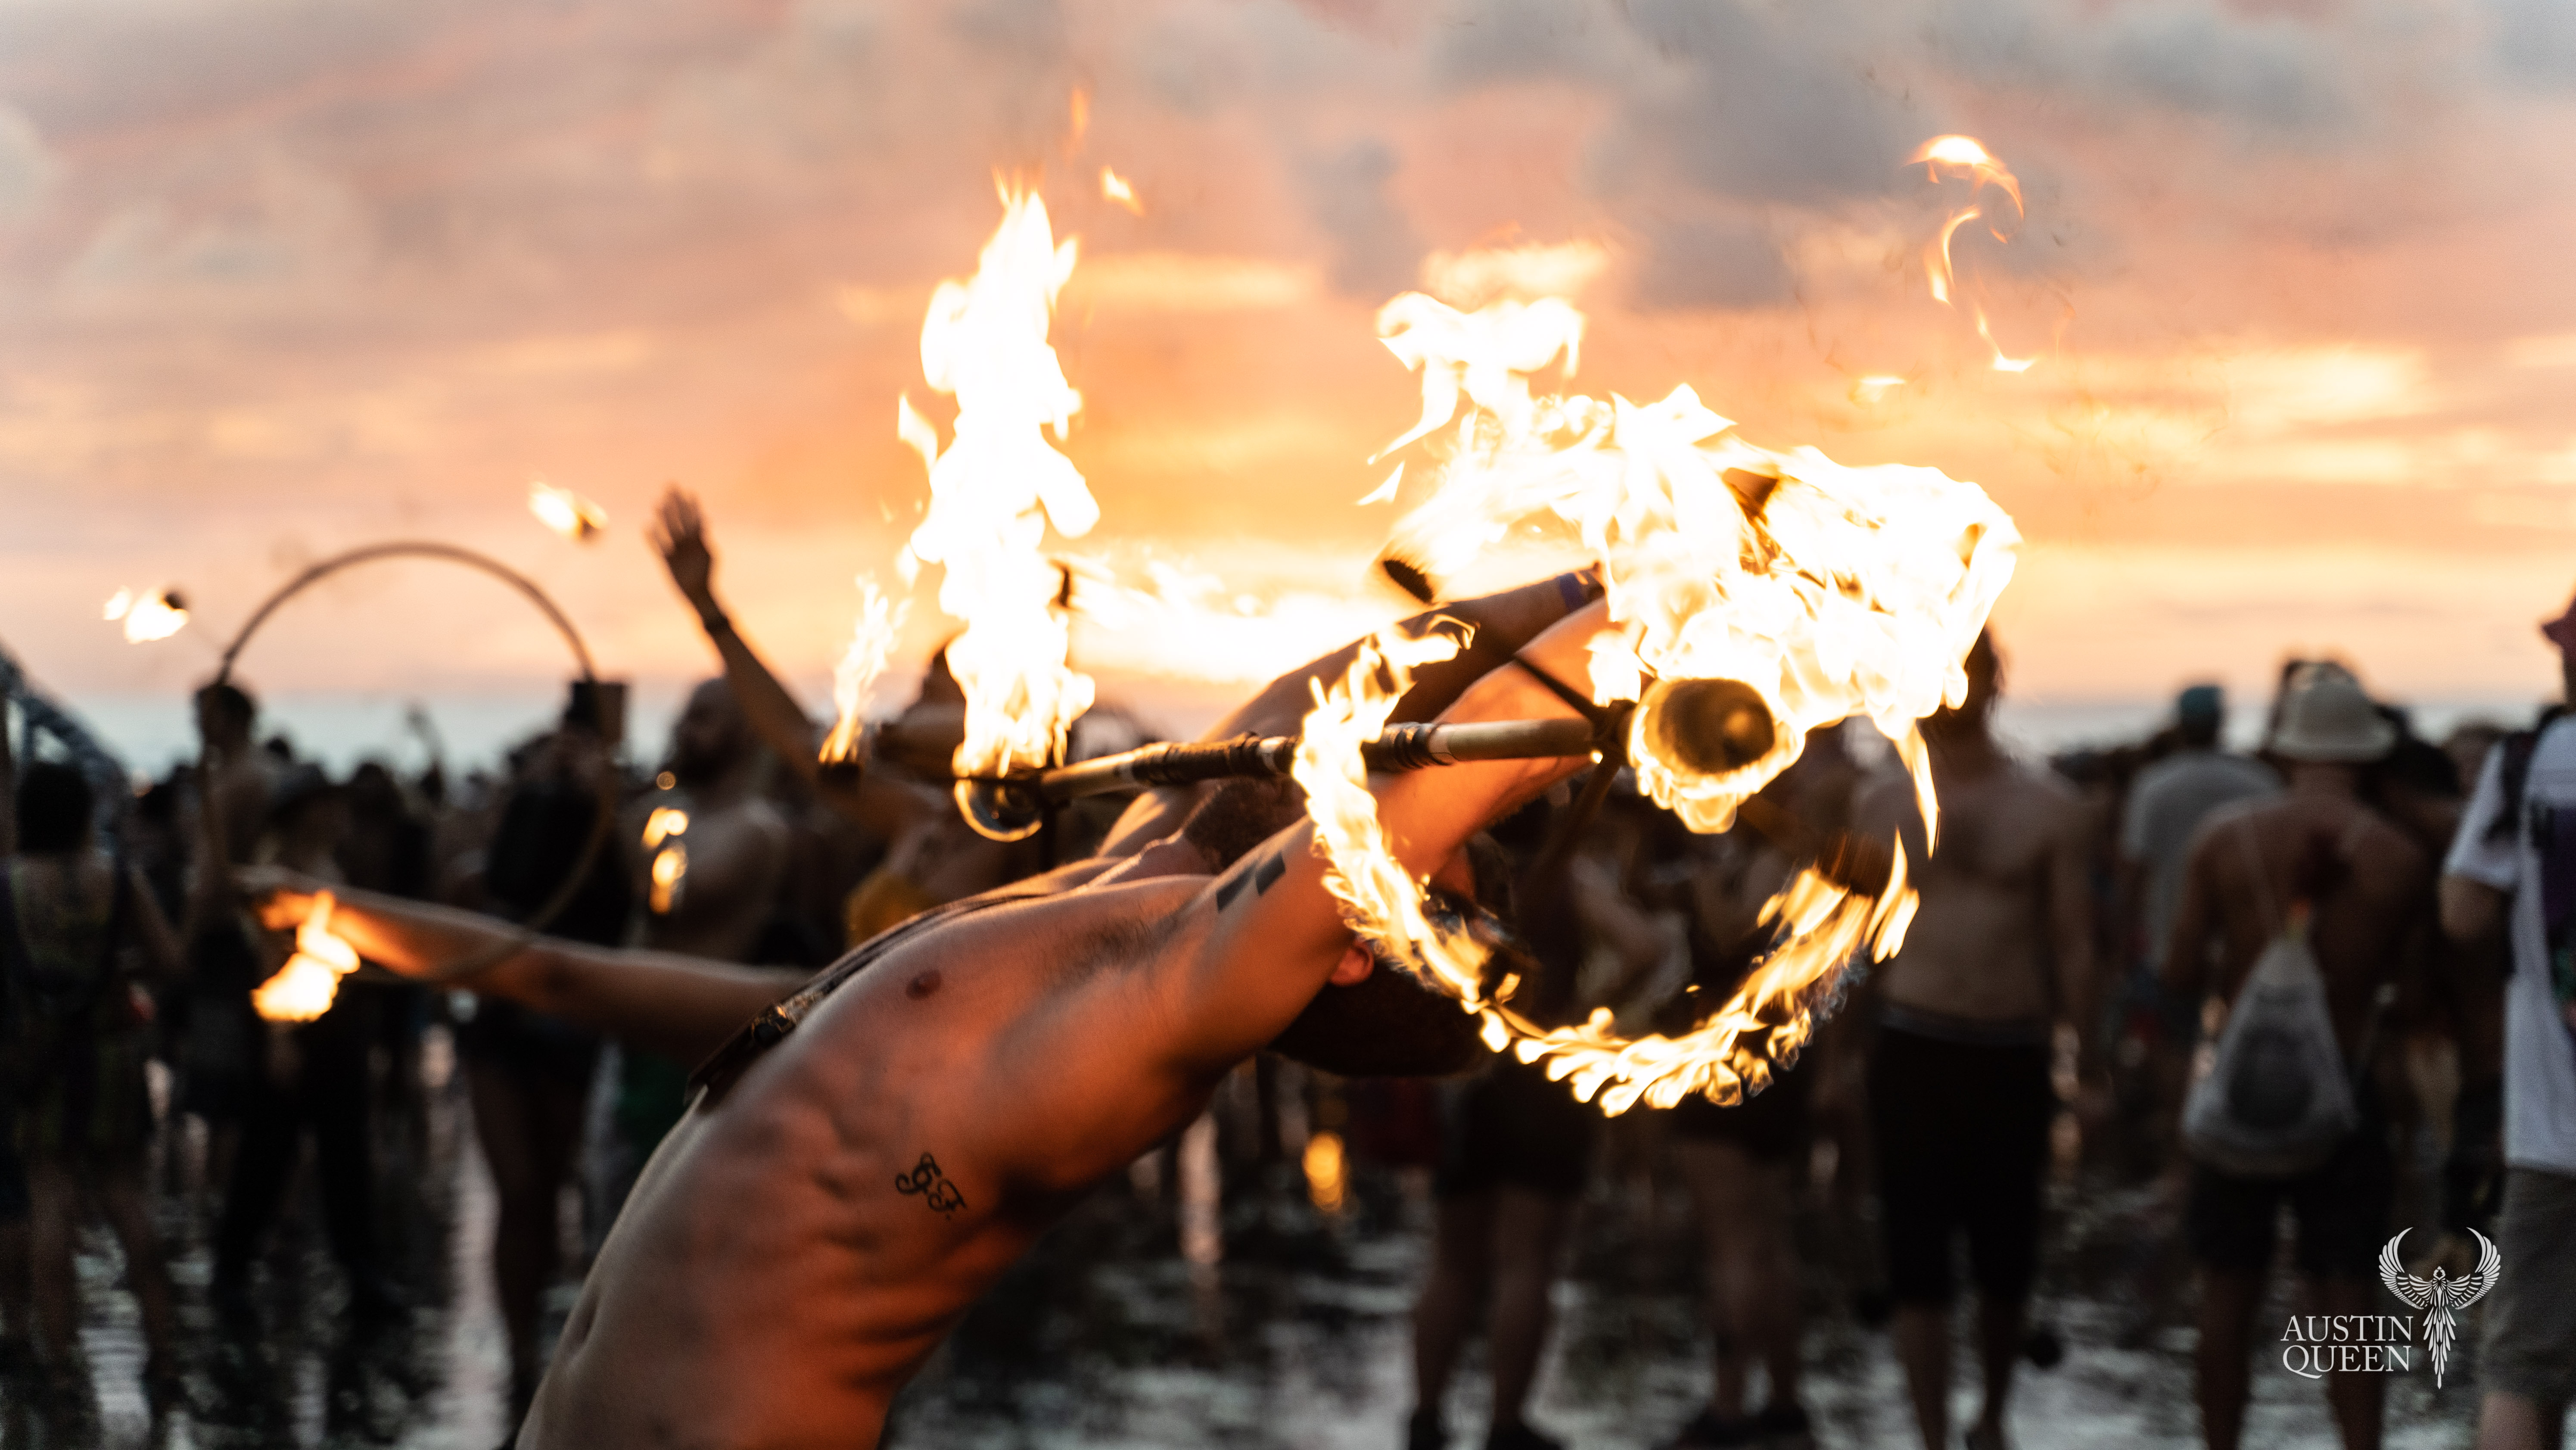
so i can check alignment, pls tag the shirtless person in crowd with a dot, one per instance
(1959, 1081)
(932, 856)
(863, 1162)
(2367, 895)
(732, 859)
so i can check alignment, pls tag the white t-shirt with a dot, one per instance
(2539, 1052)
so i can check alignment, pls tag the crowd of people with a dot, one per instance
(2326, 983)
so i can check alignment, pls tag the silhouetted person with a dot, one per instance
(528, 1074)
(313, 1078)
(1959, 1080)
(76, 931)
(2510, 873)
(2314, 861)
(1517, 1152)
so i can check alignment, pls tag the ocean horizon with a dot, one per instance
(152, 732)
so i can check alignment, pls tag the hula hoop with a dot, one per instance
(520, 933)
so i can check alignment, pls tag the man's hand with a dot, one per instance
(284, 898)
(679, 535)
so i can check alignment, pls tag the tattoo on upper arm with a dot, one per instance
(937, 1189)
(1261, 878)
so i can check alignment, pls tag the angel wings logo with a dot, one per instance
(2441, 1297)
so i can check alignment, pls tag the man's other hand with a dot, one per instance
(679, 535)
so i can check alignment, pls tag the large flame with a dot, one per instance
(1967, 158)
(995, 488)
(1825, 591)
(305, 987)
(147, 617)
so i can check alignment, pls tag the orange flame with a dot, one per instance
(148, 617)
(670, 868)
(664, 823)
(995, 488)
(1115, 188)
(305, 987)
(566, 512)
(1327, 1172)
(1966, 157)
(1827, 591)
(854, 679)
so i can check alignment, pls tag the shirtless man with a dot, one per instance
(863, 1162)
(734, 855)
(1959, 1080)
(2365, 893)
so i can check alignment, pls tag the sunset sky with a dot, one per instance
(280, 277)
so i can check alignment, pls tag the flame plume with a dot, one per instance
(1967, 157)
(854, 679)
(305, 987)
(566, 512)
(996, 487)
(148, 618)
(1820, 591)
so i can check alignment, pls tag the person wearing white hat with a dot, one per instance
(2318, 862)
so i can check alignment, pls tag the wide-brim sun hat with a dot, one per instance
(2326, 718)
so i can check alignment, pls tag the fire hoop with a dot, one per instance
(1728, 1054)
(606, 820)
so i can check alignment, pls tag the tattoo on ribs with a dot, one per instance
(1261, 878)
(936, 1188)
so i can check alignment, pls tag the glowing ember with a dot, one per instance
(670, 868)
(150, 617)
(305, 987)
(862, 665)
(996, 487)
(566, 512)
(1754, 596)
(1327, 1173)
(664, 823)
(1115, 188)
(1966, 157)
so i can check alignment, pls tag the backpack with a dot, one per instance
(2278, 1100)
(42, 1018)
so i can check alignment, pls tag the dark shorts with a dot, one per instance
(1962, 1136)
(13, 1184)
(1513, 1128)
(2341, 1208)
(527, 1045)
(1770, 1126)
(2530, 1347)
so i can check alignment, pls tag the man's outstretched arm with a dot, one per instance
(1268, 933)
(1501, 624)
(683, 1007)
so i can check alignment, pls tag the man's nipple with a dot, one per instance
(922, 985)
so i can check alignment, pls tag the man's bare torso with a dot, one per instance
(1978, 946)
(796, 1248)
(2359, 932)
(736, 853)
